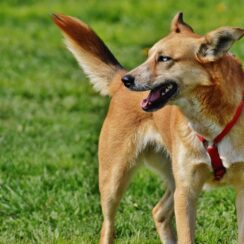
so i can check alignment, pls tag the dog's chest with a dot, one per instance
(228, 152)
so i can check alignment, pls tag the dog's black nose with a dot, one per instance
(128, 80)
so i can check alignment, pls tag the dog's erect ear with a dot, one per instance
(217, 43)
(178, 25)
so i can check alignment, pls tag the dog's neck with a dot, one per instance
(209, 109)
(208, 121)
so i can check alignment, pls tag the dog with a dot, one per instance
(186, 122)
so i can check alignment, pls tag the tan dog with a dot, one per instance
(206, 84)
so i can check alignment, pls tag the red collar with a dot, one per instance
(212, 150)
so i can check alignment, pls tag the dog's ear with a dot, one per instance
(217, 43)
(178, 25)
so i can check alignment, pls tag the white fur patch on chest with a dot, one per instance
(229, 154)
(149, 136)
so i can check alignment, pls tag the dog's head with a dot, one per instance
(177, 63)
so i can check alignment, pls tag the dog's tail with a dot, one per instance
(98, 63)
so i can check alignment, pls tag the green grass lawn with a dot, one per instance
(50, 120)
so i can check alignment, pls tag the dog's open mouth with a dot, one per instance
(159, 96)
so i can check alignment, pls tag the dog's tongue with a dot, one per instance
(153, 96)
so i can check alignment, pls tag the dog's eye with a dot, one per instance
(164, 58)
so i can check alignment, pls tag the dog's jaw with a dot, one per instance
(159, 96)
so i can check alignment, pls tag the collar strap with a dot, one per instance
(212, 149)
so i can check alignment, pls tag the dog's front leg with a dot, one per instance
(189, 182)
(240, 214)
(185, 215)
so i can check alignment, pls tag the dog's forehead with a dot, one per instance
(176, 45)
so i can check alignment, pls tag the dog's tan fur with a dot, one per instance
(211, 82)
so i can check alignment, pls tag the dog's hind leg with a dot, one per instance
(240, 214)
(112, 187)
(163, 212)
(116, 165)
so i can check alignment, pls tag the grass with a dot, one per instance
(50, 120)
